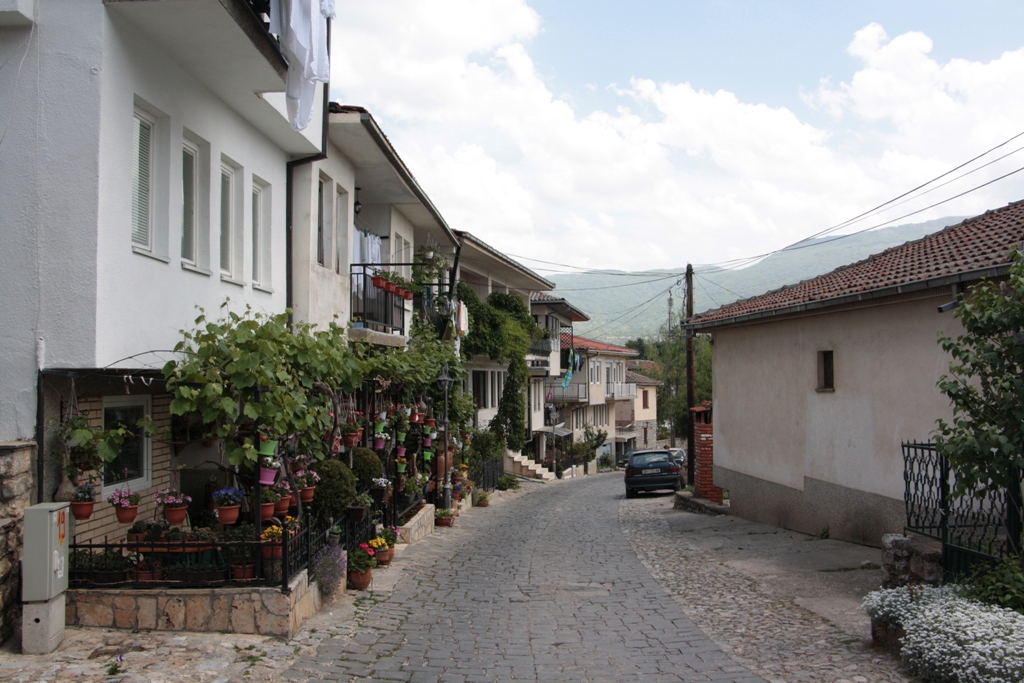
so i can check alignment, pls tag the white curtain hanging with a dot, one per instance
(302, 27)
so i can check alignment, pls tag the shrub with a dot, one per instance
(328, 569)
(606, 462)
(335, 491)
(507, 482)
(1001, 585)
(366, 466)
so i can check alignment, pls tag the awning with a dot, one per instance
(560, 431)
(622, 437)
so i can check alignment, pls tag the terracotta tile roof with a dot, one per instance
(976, 244)
(593, 345)
(637, 378)
(645, 365)
(559, 304)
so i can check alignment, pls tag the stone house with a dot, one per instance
(817, 384)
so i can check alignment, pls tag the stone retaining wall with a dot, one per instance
(259, 610)
(420, 526)
(16, 483)
(910, 560)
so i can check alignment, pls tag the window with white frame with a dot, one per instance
(189, 203)
(142, 180)
(227, 219)
(321, 247)
(341, 230)
(133, 465)
(261, 258)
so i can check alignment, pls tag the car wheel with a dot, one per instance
(630, 493)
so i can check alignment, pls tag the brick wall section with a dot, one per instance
(704, 451)
(103, 523)
(16, 483)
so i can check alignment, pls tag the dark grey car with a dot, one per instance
(651, 470)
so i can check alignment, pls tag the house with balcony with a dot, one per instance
(636, 421)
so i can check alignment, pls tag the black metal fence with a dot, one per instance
(486, 473)
(972, 528)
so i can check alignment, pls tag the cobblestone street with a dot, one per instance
(544, 585)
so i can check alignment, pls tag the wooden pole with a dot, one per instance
(690, 388)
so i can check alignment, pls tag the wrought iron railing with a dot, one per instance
(371, 305)
(620, 389)
(543, 347)
(487, 472)
(573, 393)
(972, 527)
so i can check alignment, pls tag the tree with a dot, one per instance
(985, 441)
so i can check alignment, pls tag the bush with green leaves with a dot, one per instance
(605, 462)
(336, 490)
(507, 482)
(366, 466)
(1001, 584)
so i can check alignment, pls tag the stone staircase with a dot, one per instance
(519, 464)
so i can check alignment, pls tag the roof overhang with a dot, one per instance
(809, 307)
(482, 257)
(381, 175)
(562, 307)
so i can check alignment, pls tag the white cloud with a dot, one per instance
(671, 173)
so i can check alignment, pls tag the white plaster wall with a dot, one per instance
(142, 302)
(48, 201)
(771, 423)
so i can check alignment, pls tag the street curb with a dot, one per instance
(684, 500)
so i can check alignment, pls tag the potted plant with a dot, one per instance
(126, 504)
(284, 497)
(239, 551)
(268, 501)
(175, 504)
(149, 569)
(401, 424)
(380, 489)
(443, 517)
(136, 532)
(83, 448)
(83, 499)
(334, 535)
(482, 499)
(357, 508)
(272, 538)
(351, 432)
(269, 464)
(400, 465)
(228, 501)
(390, 534)
(382, 552)
(361, 562)
(105, 567)
(306, 480)
(380, 440)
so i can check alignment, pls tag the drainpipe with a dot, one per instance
(40, 437)
(289, 191)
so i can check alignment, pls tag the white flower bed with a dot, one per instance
(950, 638)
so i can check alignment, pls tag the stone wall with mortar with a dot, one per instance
(16, 483)
(420, 526)
(910, 560)
(259, 610)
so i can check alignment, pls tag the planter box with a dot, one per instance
(420, 526)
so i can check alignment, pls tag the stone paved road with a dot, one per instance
(545, 588)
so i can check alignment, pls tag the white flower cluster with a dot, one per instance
(951, 639)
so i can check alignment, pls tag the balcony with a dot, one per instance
(574, 393)
(374, 308)
(543, 347)
(619, 390)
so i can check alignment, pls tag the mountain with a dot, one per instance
(624, 305)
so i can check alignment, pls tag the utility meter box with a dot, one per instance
(44, 573)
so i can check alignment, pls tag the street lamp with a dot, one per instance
(445, 381)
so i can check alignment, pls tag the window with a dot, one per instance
(826, 373)
(646, 404)
(133, 465)
(189, 201)
(341, 230)
(227, 219)
(257, 234)
(494, 389)
(480, 388)
(142, 182)
(320, 223)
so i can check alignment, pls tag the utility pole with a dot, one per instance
(671, 330)
(690, 387)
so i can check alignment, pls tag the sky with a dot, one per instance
(649, 134)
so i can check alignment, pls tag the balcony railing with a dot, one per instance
(543, 347)
(574, 393)
(373, 307)
(620, 390)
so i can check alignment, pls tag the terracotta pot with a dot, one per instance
(293, 501)
(483, 504)
(281, 506)
(355, 514)
(82, 510)
(241, 572)
(266, 511)
(443, 521)
(227, 514)
(351, 439)
(175, 516)
(407, 295)
(149, 575)
(389, 287)
(378, 281)
(384, 557)
(360, 580)
(430, 422)
(126, 515)
(272, 551)
(307, 493)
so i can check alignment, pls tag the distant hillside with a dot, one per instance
(605, 296)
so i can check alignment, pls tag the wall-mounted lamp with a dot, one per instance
(357, 207)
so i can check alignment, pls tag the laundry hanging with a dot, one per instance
(301, 26)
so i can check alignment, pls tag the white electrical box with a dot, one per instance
(44, 573)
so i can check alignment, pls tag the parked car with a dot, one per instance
(651, 470)
(623, 458)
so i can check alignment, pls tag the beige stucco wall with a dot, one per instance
(651, 411)
(772, 425)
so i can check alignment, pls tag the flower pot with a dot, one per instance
(378, 427)
(333, 540)
(355, 514)
(384, 557)
(360, 580)
(416, 418)
(378, 443)
(378, 281)
(443, 521)
(389, 287)
(82, 510)
(400, 452)
(149, 575)
(126, 515)
(242, 572)
(307, 493)
(428, 455)
(380, 495)
(351, 439)
(272, 551)
(430, 422)
(401, 437)
(407, 295)
(267, 448)
(266, 511)
(281, 506)
(134, 538)
(400, 467)
(433, 435)
(267, 476)
(175, 516)
(483, 503)
(427, 441)
(227, 514)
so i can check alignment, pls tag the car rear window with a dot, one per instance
(648, 458)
